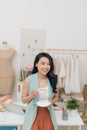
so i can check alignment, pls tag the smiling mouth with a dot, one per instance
(45, 71)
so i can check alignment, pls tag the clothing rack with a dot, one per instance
(49, 50)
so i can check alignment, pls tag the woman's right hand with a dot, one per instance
(27, 97)
(33, 93)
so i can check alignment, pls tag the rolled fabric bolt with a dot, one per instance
(4, 98)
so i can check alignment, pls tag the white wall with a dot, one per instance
(65, 22)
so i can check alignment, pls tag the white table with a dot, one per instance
(11, 119)
(72, 120)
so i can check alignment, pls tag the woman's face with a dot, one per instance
(43, 65)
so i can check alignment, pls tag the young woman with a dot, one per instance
(40, 117)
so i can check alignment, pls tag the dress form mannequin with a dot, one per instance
(7, 74)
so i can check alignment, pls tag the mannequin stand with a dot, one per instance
(84, 116)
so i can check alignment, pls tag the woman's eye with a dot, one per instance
(43, 63)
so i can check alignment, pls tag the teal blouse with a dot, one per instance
(31, 110)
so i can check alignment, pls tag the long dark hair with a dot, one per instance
(51, 76)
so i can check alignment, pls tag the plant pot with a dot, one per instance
(73, 112)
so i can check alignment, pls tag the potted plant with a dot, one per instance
(72, 105)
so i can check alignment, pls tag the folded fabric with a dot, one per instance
(8, 101)
(4, 98)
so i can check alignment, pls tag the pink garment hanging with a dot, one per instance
(56, 61)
